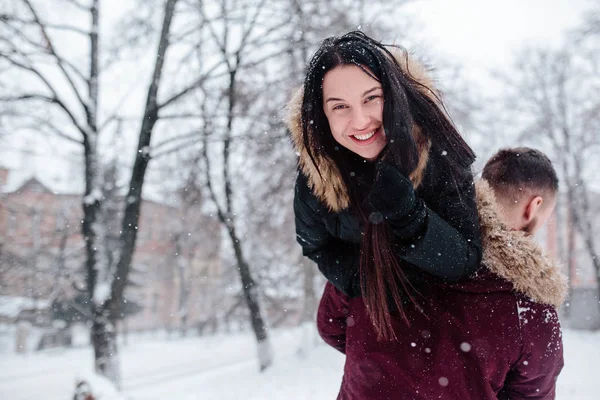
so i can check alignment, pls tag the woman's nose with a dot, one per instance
(360, 119)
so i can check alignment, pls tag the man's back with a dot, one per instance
(464, 344)
(475, 339)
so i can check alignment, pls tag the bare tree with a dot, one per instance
(225, 212)
(224, 51)
(585, 42)
(555, 98)
(30, 49)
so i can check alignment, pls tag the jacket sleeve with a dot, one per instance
(337, 260)
(331, 317)
(437, 226)
(534, 374)
(441, 236)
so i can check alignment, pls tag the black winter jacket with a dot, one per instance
(442, 238)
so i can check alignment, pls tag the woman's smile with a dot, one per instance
(365, 139)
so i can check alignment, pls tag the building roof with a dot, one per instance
(23, 181)
(19, 180)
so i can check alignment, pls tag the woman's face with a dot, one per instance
(353, 104)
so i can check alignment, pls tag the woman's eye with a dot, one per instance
(370, 98)
(339, 107)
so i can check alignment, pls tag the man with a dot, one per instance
(494, 336)
(525, 186)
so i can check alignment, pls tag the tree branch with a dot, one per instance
(180, 116)
(40, 122)
(222, 46)
(197, 83)
(68, 28)
(56, 99)
(58, 59)
(78, 4)
(209, 185)
(250, 27)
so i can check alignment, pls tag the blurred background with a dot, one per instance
(146, 181)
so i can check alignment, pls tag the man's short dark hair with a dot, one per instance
(518, 169)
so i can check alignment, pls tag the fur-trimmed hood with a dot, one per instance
(515, 256)
(330, 189)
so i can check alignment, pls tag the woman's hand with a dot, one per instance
(392, 196)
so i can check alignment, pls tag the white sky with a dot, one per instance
(485, 34)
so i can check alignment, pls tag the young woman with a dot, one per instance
(385, 189)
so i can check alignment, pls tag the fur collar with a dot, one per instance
(515, 256)
(331, 189)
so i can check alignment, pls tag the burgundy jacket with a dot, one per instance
(496, 335)
(476, 340)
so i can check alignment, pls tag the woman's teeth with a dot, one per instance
(366, 136)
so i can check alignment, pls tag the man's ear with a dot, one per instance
(533, 208)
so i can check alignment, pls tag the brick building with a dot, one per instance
(42, 253)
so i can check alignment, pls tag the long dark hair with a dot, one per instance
(406, 103)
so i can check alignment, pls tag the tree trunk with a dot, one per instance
(103, 335)
(251, 295)
(310, 296)
(309, 309)
(134, 195)
(105, 309)
(182, 309)
(560, 212)
(596, 263)
(104, 340)
(125, 331)
(572, 270)
(249, 286)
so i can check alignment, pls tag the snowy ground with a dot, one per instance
(225, 368)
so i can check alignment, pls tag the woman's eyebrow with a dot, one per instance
(371, 90)
(364, 94)
(333, 99)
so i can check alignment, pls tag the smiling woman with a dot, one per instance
(385, 187)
